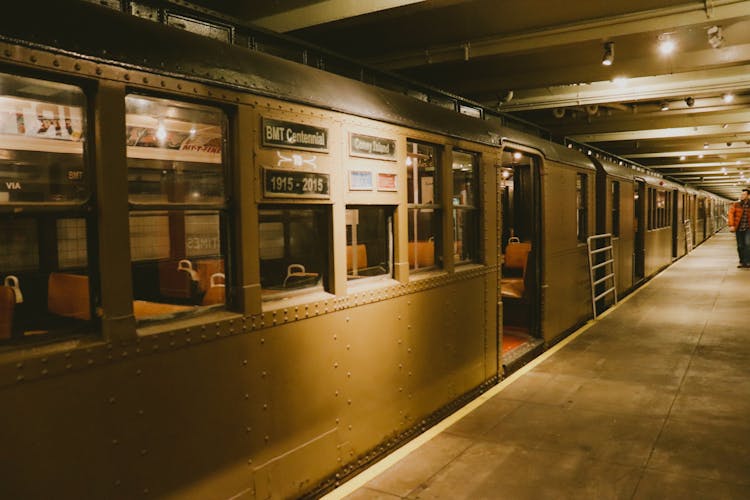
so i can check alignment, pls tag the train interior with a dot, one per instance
(176, 204)
(520, 282)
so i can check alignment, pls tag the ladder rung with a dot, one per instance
(602, 264)
(604, 279)
(600, 250)
(607, 292)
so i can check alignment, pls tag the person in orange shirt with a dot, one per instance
(739, 224)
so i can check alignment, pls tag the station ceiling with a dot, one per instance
(684, 113)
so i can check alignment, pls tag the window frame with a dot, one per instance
(326, 278)
(582, 209)
(471, 209)
(354, 280)
(46, 215)
(222, 208)
(437, 208)
(615, 208)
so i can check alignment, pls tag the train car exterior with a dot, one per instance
(615, 215)
(238, 276)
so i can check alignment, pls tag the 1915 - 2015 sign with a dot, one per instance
(295, 184)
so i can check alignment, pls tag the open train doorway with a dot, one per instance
(520, 244)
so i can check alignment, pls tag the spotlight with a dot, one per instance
(690, 102)
(664, 106)
(666, 44)
(609, 54)
(715, 37)
(727, 97)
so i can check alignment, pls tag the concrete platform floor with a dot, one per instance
(651, 401)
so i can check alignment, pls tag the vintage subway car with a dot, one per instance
(226, 274)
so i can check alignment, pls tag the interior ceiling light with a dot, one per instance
(666, 44)
(728, 97)
(690, 101)
(664, 106)
(682, 158)
(715, 37)
(609, 54)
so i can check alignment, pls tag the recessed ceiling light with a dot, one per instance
(664, 106)
(666, 44)
(728, 97)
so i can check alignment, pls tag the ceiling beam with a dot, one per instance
(655, 120)
(539, 40)
(325, 12)
(705, 152)
(630, 135)
(677, 85)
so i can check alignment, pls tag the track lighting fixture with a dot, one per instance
(609, 54)
(690, 102)
(715, 37)
(664, 106)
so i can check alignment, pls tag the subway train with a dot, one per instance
(225, 274)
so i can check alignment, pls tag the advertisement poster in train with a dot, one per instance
(205, 141)
(31, 118)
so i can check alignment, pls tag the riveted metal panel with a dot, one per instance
(567, 295)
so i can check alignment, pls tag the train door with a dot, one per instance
(639, 252)
(675, 222)
(520, 206)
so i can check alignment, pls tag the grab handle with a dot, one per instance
(213, 281)
(187, 266)
(12, 282)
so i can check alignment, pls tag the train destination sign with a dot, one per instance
(294, 135)
(372, 147)
(295, 184)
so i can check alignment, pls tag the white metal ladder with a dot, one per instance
(688, 236)
(607, 264)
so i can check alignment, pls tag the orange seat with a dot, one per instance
(421, 253)
(7, 307)
(360, 254)
(216, 293)
(68, 295)
(207, 269)
(513, 281)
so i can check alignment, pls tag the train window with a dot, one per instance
(294, 247)
(465, 206)
(425, 210)
(615, 208)
(660, 209)
(369, 241)
(44, 189)
(651, 196)
(178, 216)
(582, 213)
